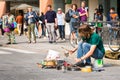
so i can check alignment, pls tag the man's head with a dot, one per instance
(83, 3)
(29, 9)
(112, 10)
(85, 31)
(74, 6)
(49, 7)
(59, 10)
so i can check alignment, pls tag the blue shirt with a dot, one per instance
(50, 16)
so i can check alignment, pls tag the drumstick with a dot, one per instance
(65, 48)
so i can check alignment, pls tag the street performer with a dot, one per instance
(90, 46)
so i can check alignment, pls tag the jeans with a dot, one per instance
(61, 31)
(83, 48)
(36, 30)
(43, 29)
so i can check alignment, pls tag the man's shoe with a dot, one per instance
(8, 43)
(34, 41)
(88, 64)
(29, 41)
(79, 64)
(50, 42)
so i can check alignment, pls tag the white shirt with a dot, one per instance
(61, 19)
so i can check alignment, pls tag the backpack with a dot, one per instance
(67, 17)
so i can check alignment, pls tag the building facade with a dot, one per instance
(42, 4)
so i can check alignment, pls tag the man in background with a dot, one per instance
(19, 20)
(51, 22)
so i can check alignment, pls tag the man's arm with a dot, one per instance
(90, 52)
(45, 18)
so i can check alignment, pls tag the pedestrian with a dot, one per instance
(98, 16)
(31, 19)
(112, 16)
(1, 27)
(61, 23)
(83, 12)
(51, 23)
(8, 26)
(90, 46)
(42, 22)
(74, 21)
(19, 20)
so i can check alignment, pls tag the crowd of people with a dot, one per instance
(50, 24)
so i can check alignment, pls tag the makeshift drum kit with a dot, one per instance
(63, 64)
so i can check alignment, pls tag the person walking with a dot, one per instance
(8, 26)
(19, 20)
(61, 23)
(31, 19)
(42, 19)
(51, 22)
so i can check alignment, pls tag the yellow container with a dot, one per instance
(86, 69)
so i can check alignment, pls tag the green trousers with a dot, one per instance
(31, 30)
(11, 37)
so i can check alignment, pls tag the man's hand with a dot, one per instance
(30, 16)
(71, 51)
(78, 59)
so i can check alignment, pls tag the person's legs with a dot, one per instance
(60, 30)
(80, 52)
(2, 31)
(52, 32)
(29, 32)
(36, 30)
(43, 29)
(13, 37)
(20, 28)
(63, 31)
(33, 31)
(98, 54)
(49, 31)
(84, 48)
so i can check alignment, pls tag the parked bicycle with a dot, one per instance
(113, 35)
(114, 38)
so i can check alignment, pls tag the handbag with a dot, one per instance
(76, 24)
(6, 29)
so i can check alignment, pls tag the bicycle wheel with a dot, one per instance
(114, 41)
(74, 41)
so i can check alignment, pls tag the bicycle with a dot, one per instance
(114, 38)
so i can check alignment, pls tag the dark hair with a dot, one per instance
(74, 5)
(112, 8)
(8, 11)
(86, 30)
(42, 13)
(49, 6)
